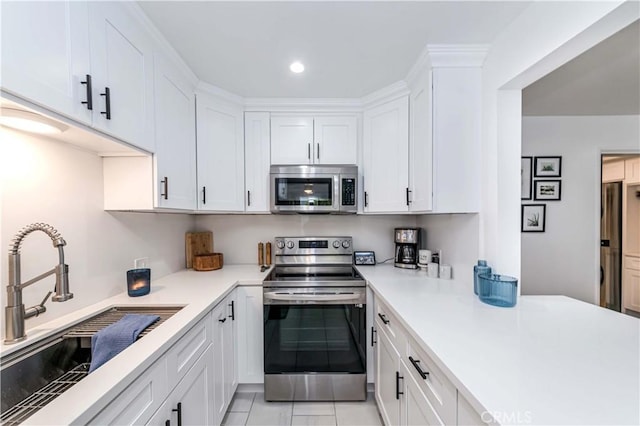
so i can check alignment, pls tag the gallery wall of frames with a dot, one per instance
(540, 183)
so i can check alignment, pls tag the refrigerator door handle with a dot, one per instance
(601, 275)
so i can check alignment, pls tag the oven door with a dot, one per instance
(315, 344)
(305, 193)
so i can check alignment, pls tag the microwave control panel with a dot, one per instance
(348, 192)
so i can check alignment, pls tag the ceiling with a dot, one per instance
(350, 48)
(604, 80)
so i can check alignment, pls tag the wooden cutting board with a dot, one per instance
(197, 243)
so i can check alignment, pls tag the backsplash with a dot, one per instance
(52, 182)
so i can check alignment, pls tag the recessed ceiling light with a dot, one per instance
(30, 122)
(296, 67)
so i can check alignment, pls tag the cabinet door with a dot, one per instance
(386, 157)
(220, 147)
(457, 98)
(335, 140)
(420, 146)
(632, 171)
(225, 380)
(230, 346)
(138, 402)
(194, 393)
(250, 334)
(257, 161)
(416, 409)
(122, 61)
(291, 140)
(45, 54)
(387, 363)
(175, 157)
(631, 289)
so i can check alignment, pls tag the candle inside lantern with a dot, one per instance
(138, 282)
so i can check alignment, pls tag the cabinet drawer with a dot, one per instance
(632, 263)
(137, 403)
(433, 383)
(389, 324)
(182, 355)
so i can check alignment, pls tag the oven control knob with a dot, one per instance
(336, 244)
(290, 244)
(280, 244)
(346, 244)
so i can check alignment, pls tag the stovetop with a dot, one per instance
(314, 276)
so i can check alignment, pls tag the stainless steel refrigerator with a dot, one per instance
(611, 246)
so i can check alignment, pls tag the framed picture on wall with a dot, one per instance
(547, 190)
(525, 178)
(547, 166)
(533, 217)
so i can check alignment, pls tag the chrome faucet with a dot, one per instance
(15, 312)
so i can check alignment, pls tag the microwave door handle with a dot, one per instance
(288, 297)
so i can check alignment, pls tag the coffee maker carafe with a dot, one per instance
(407, 245)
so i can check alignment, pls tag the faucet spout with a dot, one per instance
(15, 312)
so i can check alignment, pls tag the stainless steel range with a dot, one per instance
(314, 322)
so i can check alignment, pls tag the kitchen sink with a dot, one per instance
(35, 375)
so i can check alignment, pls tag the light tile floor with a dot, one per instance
(251, 409)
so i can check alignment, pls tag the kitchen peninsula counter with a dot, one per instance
(548, 360)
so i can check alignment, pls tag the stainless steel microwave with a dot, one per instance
(314, 189)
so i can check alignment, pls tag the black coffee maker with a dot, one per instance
(407, 246)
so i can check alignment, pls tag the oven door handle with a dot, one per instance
(319, 298)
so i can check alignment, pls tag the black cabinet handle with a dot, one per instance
(204, 195)
(167, 423)
(107, 95)
(398, 378)
(309, 151)
(165, 182)
(373, 334)
(223, 319)
(366, 199)
(248, 198)
(318, 152)
(416, 365)
(233, 313)
(383, 318)
(408, 194)
(89, 101)
(179, 411)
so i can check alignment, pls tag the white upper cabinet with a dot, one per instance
(175, 157)
(257, 161)
(122, 66)
(457, 94)
(220, 148)
(420, 146)
(314, 140)
(89, 61)
(291, 140)
(335, 140)
(45, 55)
(386, 157)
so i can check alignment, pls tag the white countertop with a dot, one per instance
(198, 292)
(548, 360)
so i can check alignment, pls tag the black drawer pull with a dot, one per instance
(398, 378)
(416, 365)
(89, 101)
(233, 312)
(223, 319)
(384, 318)
(107, 95)
(179, 411)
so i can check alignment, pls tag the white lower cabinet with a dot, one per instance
(631, 283)
(409, 388)
(224, 355)
(251, 334)
(191, 384)
(190, 401)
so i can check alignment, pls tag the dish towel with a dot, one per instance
(115, 338)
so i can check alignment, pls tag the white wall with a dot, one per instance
(237, 236)
(457, 235)
(565, 259)
(543, 37)
(52, 182)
